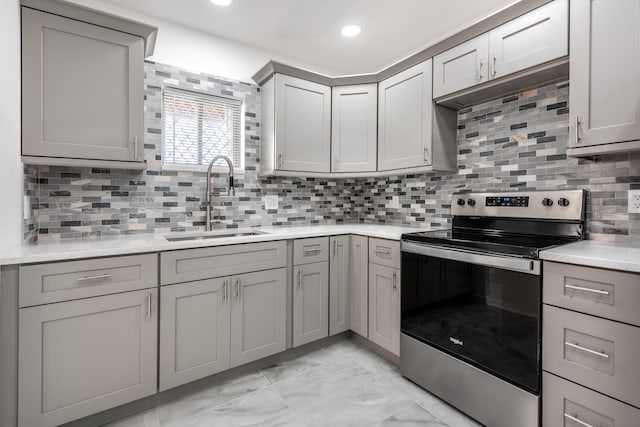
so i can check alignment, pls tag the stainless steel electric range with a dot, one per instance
(471, 301)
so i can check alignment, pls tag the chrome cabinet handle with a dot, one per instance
(494, 65)
(149, 305)
(587, 350)
(382, 252)
(224, 290)
(426, 154)
(135, 147)
(299, 277)
(335, 247)
(395, 287)
(577, 129)
(575, 419)
(238, 289)
(594, 291)
(480, 71)
(88, 278)
(280, 161)
(312, 250)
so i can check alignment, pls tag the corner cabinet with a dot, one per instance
(339, 283)
(605, 88)
(354, 127)
(359, 285)
(295, 126)
(82, 93)
(413, 134)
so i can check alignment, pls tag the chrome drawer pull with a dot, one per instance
(594, 291)
(381, 252)
(587, 350)
(88, 278)
(575, 419)
(149, 305)
(312, 251)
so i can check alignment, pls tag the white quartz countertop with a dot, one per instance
(144, 243)
(593, 253)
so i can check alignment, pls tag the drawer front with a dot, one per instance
(570, 405)
(64, 281)
(605, 293)
(206, 263)
(597, 353)
(306, 251)
(384, 252)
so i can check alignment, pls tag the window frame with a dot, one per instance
(237, 169)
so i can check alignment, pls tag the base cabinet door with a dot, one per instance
(194, 331)
(258, 316)
(359, 285)
(384, 307)
(310, 302)
(82, 357)
(339, 286)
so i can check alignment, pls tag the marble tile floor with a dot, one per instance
(343, 384)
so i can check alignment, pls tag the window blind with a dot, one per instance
(198, 127)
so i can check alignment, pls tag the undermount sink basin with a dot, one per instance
(213, 235)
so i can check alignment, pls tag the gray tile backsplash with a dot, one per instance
(514, 143)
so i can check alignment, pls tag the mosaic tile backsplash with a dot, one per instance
(514, 143)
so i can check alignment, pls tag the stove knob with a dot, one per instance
(563, 202)
(471, 202)
(547, 202)
(460, 202)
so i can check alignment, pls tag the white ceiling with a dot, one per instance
(310, 29)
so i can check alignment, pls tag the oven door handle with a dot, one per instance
(507, 263)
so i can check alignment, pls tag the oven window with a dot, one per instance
(486, 316)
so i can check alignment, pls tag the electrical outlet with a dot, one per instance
(395, 202)
(634, 201)
(270, 202)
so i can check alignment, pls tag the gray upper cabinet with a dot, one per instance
(405, 119)
(82, 93)
(339, 284)
(296, 130)
(354, 128)
(534, 38)
(82, 357)
(461, 67)
(605, 65)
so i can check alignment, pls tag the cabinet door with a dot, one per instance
(354, 127)
(310, 302)
(82, 357)
(384, 307)
(339, 286)
(303, 125)
(604, 70)
(359, 281)
(258, 316)
(194, 331)
(461, 67)
(82, 91)
(534, 38)
(405, 117)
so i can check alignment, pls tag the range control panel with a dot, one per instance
(507, 201)
(547, 204)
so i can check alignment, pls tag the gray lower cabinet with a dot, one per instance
(604, 69)
(339, 286)
(359, 285)
(194, 331)
(65, 112)
(258, 315)
(310, 302)
(82, 357)
(384, 307)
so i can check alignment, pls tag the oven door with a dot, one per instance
(480, 308)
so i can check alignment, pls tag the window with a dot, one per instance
(199, 126)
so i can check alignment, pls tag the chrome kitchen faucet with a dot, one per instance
(231, 191)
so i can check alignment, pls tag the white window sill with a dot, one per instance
(201, 168)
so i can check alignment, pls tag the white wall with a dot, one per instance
(10, 165)
(198, 51)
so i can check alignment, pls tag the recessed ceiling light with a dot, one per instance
(221, 2)
(351, 30)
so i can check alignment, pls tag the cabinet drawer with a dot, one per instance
(197, 264)
(605, 293)
(384, 252)
(597, 353)
(564, 402)
(63, 281)
(306, 251)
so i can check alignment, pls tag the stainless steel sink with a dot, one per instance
(213, 235)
